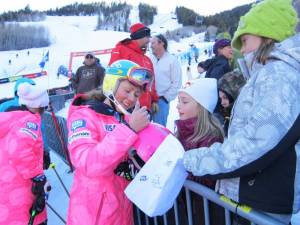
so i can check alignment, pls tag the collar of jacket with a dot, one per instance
(17, 108)
(132, 44)
(96, 105)
(100, 107)
(185, 128)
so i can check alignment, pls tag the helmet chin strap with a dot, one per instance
(117, 104)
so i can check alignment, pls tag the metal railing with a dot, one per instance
(208, 195)
(52, 136)
(52, 139)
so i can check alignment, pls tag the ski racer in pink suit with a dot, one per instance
(99, 138)
(21, 159)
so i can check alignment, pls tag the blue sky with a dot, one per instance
(203, 7)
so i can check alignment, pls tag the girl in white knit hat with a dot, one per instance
(197, 127)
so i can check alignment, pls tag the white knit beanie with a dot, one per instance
(32, 96)
(204, 91)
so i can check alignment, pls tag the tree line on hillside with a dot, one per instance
(147, 13)
(115, 17)
(227, 20)
(224, 21)
(22, 15)
(17, 37)
(79, 9)
(187, 17)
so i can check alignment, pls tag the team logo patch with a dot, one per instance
(109, 127)
(78, 124)
(79, 135)
(32, 126)
(29, 132)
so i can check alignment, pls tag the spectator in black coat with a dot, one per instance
(219, 65)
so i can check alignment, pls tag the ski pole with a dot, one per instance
(52, 165)
(56, 213)
(32, 216)
(47, 189)
(59, 133)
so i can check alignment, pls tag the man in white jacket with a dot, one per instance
(168, 75)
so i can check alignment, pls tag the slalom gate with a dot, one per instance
(183, 211)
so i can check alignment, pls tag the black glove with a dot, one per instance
(125, 169)
(37, 189)
(38, 204)
(46, 160)
(38, 184)
(137, 161)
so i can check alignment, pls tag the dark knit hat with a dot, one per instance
(139, 31)
(220, 44)
(231, 83)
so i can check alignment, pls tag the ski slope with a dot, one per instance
(70, 34)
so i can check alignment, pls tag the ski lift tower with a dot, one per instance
(198, 20)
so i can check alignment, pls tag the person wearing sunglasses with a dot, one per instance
(102, 127)
(134, 49)
(21, 158)
(89, 76)
(169, 77)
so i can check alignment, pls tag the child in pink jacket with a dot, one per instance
(21, 159)
(99, 139)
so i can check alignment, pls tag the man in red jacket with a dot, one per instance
(134, 49)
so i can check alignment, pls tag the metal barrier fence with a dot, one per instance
(58, 101)
(52, 141)
(208, 195)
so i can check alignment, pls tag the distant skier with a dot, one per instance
(189, 57)
(9, 62)
(17, 55)
(28, 53)
(62, 70)
(195, 51)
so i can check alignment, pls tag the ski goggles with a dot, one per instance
(140, 76)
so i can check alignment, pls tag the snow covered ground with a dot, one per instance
(70, 34)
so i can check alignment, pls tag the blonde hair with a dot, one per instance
(207, 125)
(263, 52)
(120, 80)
